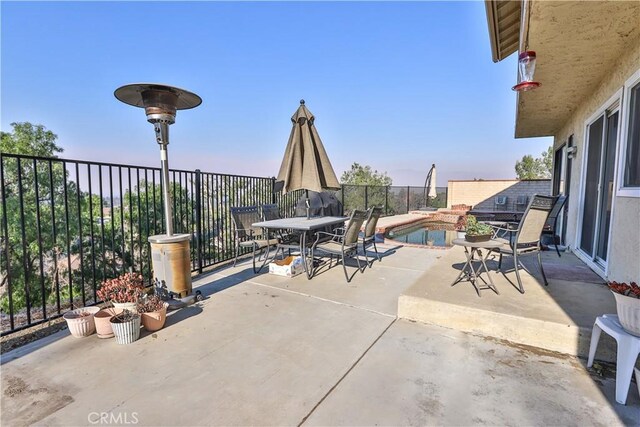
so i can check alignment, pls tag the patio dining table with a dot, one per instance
(306, 226)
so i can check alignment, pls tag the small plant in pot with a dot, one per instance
(81, 321)
(628, 305)
(123, 292)
(153, 311)
(126, 326)
(477, 231)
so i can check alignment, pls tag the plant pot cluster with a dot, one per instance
(130, 308)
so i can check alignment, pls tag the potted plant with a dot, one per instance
(123, 292)
(460, 226)
(477, 231)
(153, 312)
(103, 321)
(81, 322)
(126, 326)
(628, 305)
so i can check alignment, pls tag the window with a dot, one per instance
(632, 156)
(630, 153)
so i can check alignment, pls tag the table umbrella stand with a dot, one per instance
(170, 253)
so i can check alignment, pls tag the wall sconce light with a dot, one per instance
(572, 152)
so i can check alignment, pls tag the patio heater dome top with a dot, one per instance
(159, 101)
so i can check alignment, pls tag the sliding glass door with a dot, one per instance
(598, 186)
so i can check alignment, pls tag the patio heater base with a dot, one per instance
(171, 261)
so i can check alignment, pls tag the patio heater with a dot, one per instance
(170, 253)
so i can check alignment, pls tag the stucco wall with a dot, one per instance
(481, 194)
(625, 235)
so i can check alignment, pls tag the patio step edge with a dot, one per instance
(559, 337)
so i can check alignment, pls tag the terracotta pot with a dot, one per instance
(103, 324)
(126, 332)
(81, 322)
(154, 321)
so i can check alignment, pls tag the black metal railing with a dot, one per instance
(394, 200)
(67, 225)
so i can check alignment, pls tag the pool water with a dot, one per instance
(439, 234)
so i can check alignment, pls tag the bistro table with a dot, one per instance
(306, 226)
(471, 274)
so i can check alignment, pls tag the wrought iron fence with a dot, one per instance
(394, 200)
(66, 225)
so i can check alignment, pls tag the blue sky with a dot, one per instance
(397, 86)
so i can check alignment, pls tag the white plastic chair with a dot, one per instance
(628, 351)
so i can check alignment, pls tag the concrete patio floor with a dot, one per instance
(267, 350)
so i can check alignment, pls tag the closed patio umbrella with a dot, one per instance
(432, 184)
(305, 164)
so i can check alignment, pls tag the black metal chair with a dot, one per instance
(521, 203)
(369, 238)
(551, 226)
(248, 236)
(501, 202)
(526, 237)
(286, 239)
(341, 244)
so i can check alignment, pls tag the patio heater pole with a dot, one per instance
(162, 136)
(170, 253)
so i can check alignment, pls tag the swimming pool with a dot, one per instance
(429, 234)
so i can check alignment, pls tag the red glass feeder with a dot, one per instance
(526, 70)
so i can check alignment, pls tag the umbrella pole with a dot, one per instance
(307, 204)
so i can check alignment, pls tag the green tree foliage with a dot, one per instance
(535, 168)
(34, 221)
(29, 139)
(364, 175)
(364, 187)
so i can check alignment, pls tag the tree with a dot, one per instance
(535, 168)
(363, 175)
(29, 139)
(364, 187)
(32, 218)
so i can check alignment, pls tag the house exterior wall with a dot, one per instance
(481, 194)
(624, 251)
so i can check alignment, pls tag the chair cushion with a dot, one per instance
(333, 247)
(260, 243)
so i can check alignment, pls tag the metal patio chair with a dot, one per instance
(343, 244)
(249, 237)
(286, 239)
(369, 238)
(550, 227)
(526, 237)
(501, 202)
(522, 202)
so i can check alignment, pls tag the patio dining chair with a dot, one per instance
(369, 238)
(286, 239)
(249, 237)
(342, 244)
(526, 237)
(551, 226)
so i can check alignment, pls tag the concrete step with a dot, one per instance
(558, 317)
